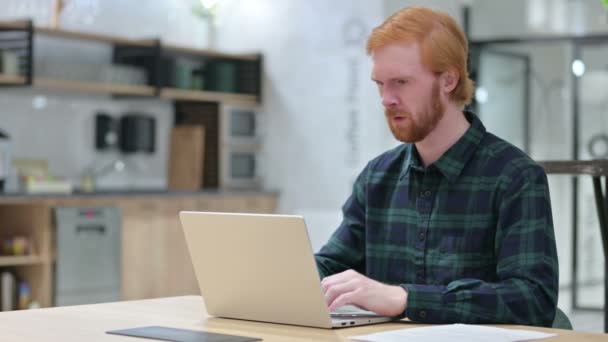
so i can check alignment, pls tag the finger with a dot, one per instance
(345, 299)
(337, 278)
(336, 290)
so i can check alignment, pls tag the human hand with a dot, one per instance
(351, 287)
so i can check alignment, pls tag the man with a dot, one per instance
(455, 224)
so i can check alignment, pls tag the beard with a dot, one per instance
(416, 130)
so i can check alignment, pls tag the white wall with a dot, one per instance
(63, 134)
(308, 114)
(323, 116)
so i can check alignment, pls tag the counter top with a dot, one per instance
(137, 193)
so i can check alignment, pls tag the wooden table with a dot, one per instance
(90, 322)
(598, 170)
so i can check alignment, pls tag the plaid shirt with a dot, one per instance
(470, 238)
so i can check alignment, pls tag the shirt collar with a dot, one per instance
(452, 162)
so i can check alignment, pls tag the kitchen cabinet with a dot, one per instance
(155, 259)
(33, 221)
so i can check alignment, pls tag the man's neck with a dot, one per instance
(450, 128)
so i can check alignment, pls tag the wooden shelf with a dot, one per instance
(69, 34)
(21, 260)
(92, 87)
(210, 53)
(100, 38)
(110, 39)
(12, 79)
(248, 62)
(33, 221)
(14, 24)
(596, 168)
(197, 95)
(132, 90)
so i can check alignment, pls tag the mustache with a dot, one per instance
(392, 113)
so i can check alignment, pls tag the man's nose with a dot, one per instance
(389, 100)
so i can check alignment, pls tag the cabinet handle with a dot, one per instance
(91, 229)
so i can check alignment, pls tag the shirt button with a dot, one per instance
(421, 236)
(422, 314)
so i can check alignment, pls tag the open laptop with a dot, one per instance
(261, 268)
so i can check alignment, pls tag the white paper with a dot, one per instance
(454, 333)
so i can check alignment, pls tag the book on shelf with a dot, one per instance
(8, 290)
(15, 294)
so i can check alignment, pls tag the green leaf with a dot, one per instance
(201, 12)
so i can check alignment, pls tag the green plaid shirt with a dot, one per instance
(470, 237)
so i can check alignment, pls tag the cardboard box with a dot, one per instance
(186, 157)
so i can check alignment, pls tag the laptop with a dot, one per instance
(261, 268)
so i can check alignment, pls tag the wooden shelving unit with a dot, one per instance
(95, 37)
(210, 53)
(80, 86)
(12, 79)
(14, 24)
(70, 34)
(150, 225)
(197, 95)
(31, 221)
(21, 260)
(92, 87)
(158, 85)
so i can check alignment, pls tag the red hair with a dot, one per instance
(443, 44)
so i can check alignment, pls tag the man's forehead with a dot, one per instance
(403, 48)
(397, 60)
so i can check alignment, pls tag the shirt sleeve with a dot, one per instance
(527, 270)
(346, 247)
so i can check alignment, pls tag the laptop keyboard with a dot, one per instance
(351, 311)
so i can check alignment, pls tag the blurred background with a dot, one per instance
(115, 115)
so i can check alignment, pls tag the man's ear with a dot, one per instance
(449, 80)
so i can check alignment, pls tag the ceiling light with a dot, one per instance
(578, 68)
(481, 95)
